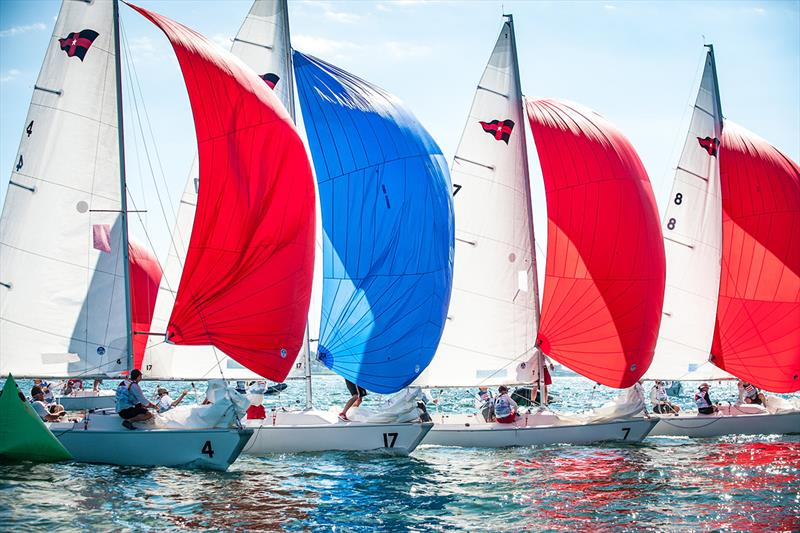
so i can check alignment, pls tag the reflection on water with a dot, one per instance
(672, 483)
(740, 483)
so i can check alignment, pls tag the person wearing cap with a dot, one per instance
(660, 400)
(41, 408)
(750, 394)
(165, 403)
(505, 409)
(704, 404)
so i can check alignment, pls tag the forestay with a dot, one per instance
(246, 281)
(62, 281)
(263, 44)
(604, 277)
(757, 335)
(387, 217)
(692, 229)
(491, 325)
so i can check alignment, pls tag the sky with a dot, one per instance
(636, 63)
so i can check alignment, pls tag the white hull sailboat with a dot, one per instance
(533, 429)
(263, 44)
(728, 423)
(493, 322)
(65, 284)
(318, 431)
(732, 302)
(98, 438)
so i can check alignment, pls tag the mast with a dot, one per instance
(123, 188)
(536, 312)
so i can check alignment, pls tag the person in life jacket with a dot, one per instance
(704, 404)
(749, 394)
(660, 399)
(505, 409)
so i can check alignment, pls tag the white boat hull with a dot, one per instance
(697, 425)
(314, 431)
(469, 431)
(87, 400)
(104, 440)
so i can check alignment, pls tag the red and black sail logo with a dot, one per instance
(499, 129)
(77, 44)
(271, 79)
(709, 144)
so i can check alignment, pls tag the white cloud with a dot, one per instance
(17, 30)
(10, 75)
(400, 50)
(342, 17)
(759, 10)
(319, 46)
(610, 7)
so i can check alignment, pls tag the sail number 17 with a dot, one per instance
(389, 439)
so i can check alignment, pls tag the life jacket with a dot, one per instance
(702, 400)
(502, 406)
(123, 398)
(256, 412)
(661, 394)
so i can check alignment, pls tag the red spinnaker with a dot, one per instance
(246, 282)
(757, 334)
(145, 277)
(605, 271)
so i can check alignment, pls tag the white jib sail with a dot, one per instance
(263, 44)
(489, 337)
(692, 229)
(62, 282)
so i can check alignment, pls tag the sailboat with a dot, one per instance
(732, 302)
(604, 272)
(360, 308)
(65, 305)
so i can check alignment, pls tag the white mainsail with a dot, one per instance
(692, 229)
(263, 44)
(63, 288)
(489, 338)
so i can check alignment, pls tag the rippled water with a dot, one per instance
(735, 482)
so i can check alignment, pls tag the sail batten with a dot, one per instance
(251, 251)
(604, 276)
(387, 228)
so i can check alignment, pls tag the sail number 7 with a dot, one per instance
(389, 439)
(627, 432)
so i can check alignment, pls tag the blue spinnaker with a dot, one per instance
(387, 219)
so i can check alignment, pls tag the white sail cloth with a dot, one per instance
(62, 281)
(692, 229)
(398, 408)
(489, 337)
(227, 407)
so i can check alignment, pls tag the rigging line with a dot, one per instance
(132, 74)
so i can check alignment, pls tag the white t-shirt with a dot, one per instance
(40, 408)
(164, 403)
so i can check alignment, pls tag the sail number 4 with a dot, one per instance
(389, 439)
(207, 449)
